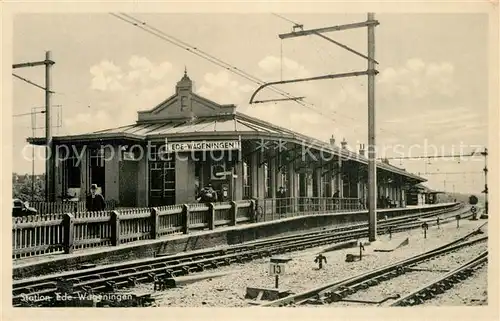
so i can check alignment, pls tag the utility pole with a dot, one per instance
(49, 159)
(33, 126)
(371, 23)
(485, 154)
(372, 160)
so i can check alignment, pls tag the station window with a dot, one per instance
(284, 179)
(161, 177)
(97, 157)
(326, 187)
(247, 180)
(73, 170)
(267, 182)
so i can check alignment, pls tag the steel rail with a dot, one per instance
(130, 277)
(443, 283)
(343, 285)
(130, 270)
(134, 276)
(188, 256)
(102, 272)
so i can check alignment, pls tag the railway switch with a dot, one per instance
(319, 259)
(425, 227)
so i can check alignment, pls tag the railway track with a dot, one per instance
(443, 283)
(341, 289)
(109, 278)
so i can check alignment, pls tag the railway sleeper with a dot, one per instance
(132, 281)
(383, 277)
(372, 282)
(160, 265)
(361, 286)
(110, 274)
(128, 270)
(143, 279)
(163, 284)
(188, 269)
(28, 290)
(151, 277)
(169, 272)
(215, 264)
(335, 296)
(122, 284)
(437, 289)
(111, 286)
(230, 260)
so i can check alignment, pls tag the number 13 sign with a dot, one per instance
(276, 269)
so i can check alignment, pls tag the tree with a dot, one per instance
(22, 188)
(473, 200)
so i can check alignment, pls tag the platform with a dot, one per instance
(194, 241)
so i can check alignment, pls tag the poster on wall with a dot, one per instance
(218, 171)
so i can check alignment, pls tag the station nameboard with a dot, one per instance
(173, 147)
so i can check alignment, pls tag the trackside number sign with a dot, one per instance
(276, 269)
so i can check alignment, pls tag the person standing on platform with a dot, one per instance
(95, 202)
(280, 200)
(336, 200)
(207, 195)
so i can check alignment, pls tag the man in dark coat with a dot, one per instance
(207, 195)
(95, 202)
(336, 200)
(281, 200)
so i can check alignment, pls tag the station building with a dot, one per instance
(188, 141)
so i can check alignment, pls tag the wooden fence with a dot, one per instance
(62, 233)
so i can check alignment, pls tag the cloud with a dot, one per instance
(305, 121)
(106, 76)
(418, 79)
(291, 69)
(222, 88)
(86, 122)
(339, 106)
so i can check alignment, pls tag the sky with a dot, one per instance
(431, 90)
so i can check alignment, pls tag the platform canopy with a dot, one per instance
(186, 116)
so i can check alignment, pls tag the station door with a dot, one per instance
(162, 183)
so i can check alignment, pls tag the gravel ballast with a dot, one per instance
(471, 292)
(301, 272)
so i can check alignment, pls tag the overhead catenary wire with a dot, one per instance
(30, 82)
(300, 25)
(196, 51)
(193, 49)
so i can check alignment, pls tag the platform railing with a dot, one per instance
(65, 207)
(63, 233)
(284, 207)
